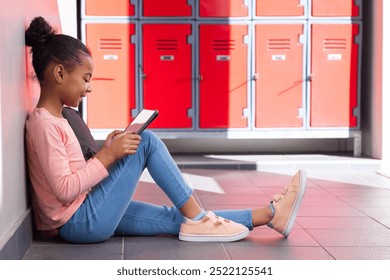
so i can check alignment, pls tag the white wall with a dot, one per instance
(68, 16)
(386, 88)
(377, 70)
(1, 163)
(18, 95)
(13, 204)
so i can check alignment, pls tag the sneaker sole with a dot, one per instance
(298, 202)
(213, 238)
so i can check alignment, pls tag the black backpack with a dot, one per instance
(83, 134)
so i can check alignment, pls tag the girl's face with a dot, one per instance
(77, 83)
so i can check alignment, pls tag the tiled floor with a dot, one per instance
(345, 213)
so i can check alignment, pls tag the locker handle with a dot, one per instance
(200, 78)
(311, 76)
(300, 113)
(103, 79)
(143, 75)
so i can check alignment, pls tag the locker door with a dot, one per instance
(335, 8)
(109, 8)
(167, 66)
(222, 8)
(113, 88)
(278, 66)
(334, 72)
(279, 8)
(223, 72)
(167, 8)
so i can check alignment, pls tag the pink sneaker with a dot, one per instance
(285, 205)
(212, 229)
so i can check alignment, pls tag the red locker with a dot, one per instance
(112, 98)
(166, 8)
(109, 8)
(334, 72)
(335, 8)
(167, 66)
(223, 70)
(279, 68)
(222, 8)
(271, 8)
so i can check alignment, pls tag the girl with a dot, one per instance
(90, 201)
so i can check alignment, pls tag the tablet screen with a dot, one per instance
(141, 121)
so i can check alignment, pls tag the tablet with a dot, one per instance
(141, 121)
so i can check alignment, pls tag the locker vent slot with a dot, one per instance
(110, 44)
(335, 44)
(279, 44)
(164, 45)
(223, 45)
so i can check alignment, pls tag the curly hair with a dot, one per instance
(49, 47)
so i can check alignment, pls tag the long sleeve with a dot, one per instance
(59, 174)
(61, 160)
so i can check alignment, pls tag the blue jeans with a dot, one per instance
(109, 208)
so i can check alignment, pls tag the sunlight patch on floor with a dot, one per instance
(337, 169)
(196, 182)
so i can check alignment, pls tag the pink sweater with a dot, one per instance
(60, 176)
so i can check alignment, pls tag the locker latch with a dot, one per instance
(245, 113)
(300, 113)
(143, 75)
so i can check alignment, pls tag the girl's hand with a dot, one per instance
(111, 137)
(118, 145)
(124, 144)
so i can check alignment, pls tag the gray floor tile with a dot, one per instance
(224, 178)
(310, 191)
(269, 179)
(359, 253)
(148, 188)
(232, 199)
(324, 201)
(109, 250)
(360, 191)
(213, 207)
(152, 240)
(330, 211)
(268, 237)
(276, 253)
(161, 199)
(367, 201)
(174, 250)
(345, 215)
(237, 190)
(351, 237)
(379, 181)
(384, 221)
(347, 179)
(338, 223)
(375, 212)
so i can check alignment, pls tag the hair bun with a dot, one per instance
(39, 32)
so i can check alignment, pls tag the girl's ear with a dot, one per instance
(59, 71)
